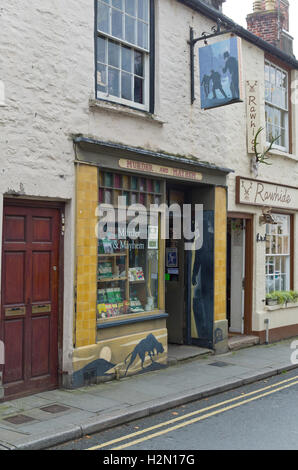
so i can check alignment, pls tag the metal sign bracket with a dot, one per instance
(218, 30)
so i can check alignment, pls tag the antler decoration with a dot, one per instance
(262, 157)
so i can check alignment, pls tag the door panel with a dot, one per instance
(29, 311)
(14, 285)
(14, 230)
(14, 357)
(42, 229)
(40, 346)
(41, 276)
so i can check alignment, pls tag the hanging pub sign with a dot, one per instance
(253, 119)
(221, 73)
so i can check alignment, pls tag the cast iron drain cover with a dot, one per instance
(219, 364)
(19, 419)
(54, 408)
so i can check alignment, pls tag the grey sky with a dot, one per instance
(238, 9)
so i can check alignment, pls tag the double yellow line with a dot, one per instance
(269, 390)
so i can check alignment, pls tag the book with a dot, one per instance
(105, 270)
(101, 310)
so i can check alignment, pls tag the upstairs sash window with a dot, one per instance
(123, 52)
(277, 106)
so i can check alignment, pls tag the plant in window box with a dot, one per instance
(294, 295)
(283, 297)
(271, 299)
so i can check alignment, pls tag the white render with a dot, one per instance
(47, 67)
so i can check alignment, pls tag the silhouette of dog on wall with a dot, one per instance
(147, 345)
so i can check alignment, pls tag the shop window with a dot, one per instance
(128, 261)
(277, 106)
(278, 254)
(123, 51)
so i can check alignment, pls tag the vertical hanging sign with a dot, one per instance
(252, 112)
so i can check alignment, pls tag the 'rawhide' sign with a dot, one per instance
(261, 193)
(252, 112)
(160, 170)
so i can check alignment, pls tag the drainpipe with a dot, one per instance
(266, 321)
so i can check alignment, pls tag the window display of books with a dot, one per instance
(110, 303)
(136, 274)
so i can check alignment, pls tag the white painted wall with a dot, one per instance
(47, 66)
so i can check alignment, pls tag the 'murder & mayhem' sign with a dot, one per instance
(160, 170)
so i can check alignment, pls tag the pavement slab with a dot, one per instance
(98, 407)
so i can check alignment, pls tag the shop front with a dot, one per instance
(262, 280)
(140, 284)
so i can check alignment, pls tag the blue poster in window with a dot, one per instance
(220, 73)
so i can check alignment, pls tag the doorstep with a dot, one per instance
(178, 353)
(242, 341)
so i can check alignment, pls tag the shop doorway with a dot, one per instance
(175, 275)
(239, 274)
(29, 301)
(189, 284)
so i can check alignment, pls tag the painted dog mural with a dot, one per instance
(147, 345)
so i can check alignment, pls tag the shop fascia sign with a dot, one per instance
(261, 193)
(253, 114)
(159, 170)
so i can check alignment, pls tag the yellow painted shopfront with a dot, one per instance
(136, 292)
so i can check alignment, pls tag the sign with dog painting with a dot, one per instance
(221, 73)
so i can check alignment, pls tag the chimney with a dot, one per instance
(217, 4)
(270, 21)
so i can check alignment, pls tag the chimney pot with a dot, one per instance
(270, 4)
(257, 5)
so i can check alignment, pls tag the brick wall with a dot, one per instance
(265, 23)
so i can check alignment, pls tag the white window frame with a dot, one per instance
(272, 231)
(146, 64)
(281, 109)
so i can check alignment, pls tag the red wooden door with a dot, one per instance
(29, 309)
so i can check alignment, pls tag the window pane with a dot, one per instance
(117, 23)
(114, 85)
(126, 59)
(126, 89)
(130, 7)
(103, 18)
(117, 4)
(267, 72)
(101, 50)
(143, 9)
(101, 78)
(114, 54)
(130, 29)
(286, 245)
(138, 67)
(142, 35)
(138, 94)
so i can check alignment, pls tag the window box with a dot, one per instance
(281, 307)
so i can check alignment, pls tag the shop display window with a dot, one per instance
(128, 264)
(278, 254)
